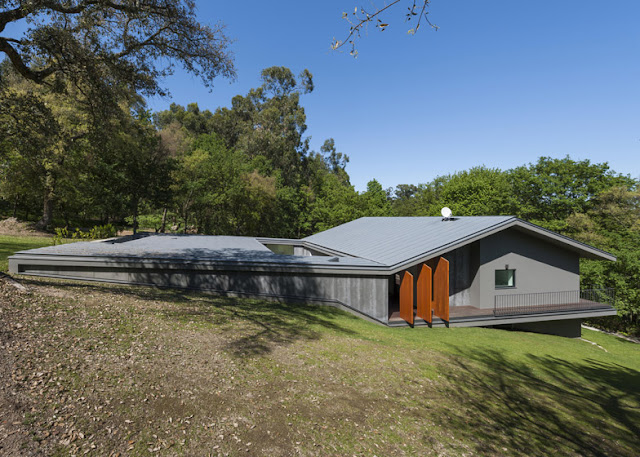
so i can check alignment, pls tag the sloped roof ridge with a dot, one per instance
(398, 241)
(393, 240)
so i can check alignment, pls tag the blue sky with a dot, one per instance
(500, 84)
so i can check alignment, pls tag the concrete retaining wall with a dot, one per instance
(364, 294)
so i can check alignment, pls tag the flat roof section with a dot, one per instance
(217, 249)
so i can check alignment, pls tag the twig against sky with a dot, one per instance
(360, 18)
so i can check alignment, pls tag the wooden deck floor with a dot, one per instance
(454, 313)
(462, 312)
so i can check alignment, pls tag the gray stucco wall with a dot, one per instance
(540, 266)
(365, 294)
(463, 267)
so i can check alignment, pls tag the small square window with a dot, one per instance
(505, 278)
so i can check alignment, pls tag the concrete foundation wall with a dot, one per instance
(365, 294)
(569, 328)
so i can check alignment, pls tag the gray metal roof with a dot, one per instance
(233, 249)
(398, 241)
(393, 240)
(370, 245)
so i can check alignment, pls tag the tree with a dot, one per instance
(553, 189)
(335, 161)
(361, 18)
(96, 57)
(43, 131)
(76, 165)
(405, 201)
(613, 224)
(192, 119)
(27, 127)
(375, 201)
(143, 167)
(112, 45)
(333, 204)
(480, 191)
(269, 123)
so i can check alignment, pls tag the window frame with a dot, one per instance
(506, 286)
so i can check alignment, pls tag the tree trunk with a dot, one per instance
(47, 211)
(15, 207)
(163, 225)
(47, 214)
(135, 218)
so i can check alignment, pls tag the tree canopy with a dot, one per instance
(108, 45)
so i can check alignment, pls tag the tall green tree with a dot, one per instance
(613, 224)
(27, 127)
(107, 46)
(269, 123)
(479, 191)
(192, 118)
(553, 189)
(45, 131)
(375, 200)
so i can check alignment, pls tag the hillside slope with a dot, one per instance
(111, 370)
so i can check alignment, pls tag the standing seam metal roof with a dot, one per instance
(368, 245)
(392, 240)
(234, 249)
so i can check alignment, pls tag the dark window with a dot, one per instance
(505, 278)
(282, 249)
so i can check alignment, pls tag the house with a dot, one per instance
(463, 271)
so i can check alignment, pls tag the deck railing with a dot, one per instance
(548, 302)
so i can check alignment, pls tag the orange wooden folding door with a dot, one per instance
(441, 289)
(424, 293)
(406, 297)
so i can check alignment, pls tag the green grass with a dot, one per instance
(496, 392)
(10, 244)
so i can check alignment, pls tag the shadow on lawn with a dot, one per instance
(590, 408)
(255, 327)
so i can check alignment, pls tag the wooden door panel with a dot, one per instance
(424, 293)
(441, 289)
(406, 297)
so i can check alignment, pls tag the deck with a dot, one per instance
(468, 315)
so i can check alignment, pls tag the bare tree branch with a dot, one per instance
(361, 18)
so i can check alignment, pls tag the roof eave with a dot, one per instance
(585, 250)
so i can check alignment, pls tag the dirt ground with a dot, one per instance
(13, 226)
(114, 371)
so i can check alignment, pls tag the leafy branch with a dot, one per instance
(361, 18)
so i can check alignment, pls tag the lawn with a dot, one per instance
(10, 244)
(115, 370)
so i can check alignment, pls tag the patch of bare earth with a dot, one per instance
(104, 370)
(13, 226)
